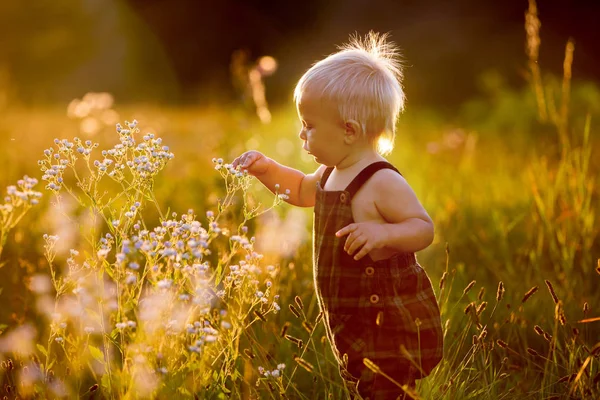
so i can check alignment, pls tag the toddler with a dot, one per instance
(377, 301)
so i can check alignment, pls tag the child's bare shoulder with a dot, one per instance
(388, 178)
(389, 184)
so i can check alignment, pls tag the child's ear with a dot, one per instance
(352, 131)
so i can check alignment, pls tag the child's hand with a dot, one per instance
(252, 161)
(364, 235)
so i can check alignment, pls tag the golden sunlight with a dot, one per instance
(385, 145)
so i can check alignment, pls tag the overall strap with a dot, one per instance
(367, 173)
(325, 175)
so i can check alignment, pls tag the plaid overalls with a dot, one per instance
(371, 308)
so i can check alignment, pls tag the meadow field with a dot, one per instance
(141, 266)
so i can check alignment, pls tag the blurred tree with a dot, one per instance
(56, 50)
(40, 41)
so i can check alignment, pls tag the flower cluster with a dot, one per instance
(149, 294)
(18, 200)
(20, 195)
(276, 373)
(143, 161)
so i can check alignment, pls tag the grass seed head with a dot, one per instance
(284, 329)
(500, 292)
(443, 279)
(371, 365)
(481, 307)
(298, 301)
(529, 293)
(294, 311)
(538, 330)
(551, 290)
(260, 315)
(533, 352)
(319, 318)
(304, 364)
(307, 326)
(469, 287)
(481, 293)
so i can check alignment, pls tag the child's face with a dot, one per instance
(322, 129)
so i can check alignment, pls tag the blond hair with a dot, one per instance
(364, 79)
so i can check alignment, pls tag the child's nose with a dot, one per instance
(302, 134)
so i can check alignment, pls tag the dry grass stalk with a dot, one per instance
(481, 307)
(294, 311)
(443, 279)
(529, 293)
(298, 301)
(249, 353)
(319, 318)
(304, 364)
(481, 293)
(260, 315)
(551, 290)
(500, 292)
(469, 287)
(375, 368)
(284, 329)
(538, 330)
(566, 90)
(532, 29)
(308, 326)
(294, 340)
(533, 352)
(559, 313)
(567, 378)
(469, 307)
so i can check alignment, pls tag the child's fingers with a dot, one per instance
(356, 243)
(345, 230)
(363, 252)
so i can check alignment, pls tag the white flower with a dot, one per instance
(164, 284)
(225, 325)
(210, 338)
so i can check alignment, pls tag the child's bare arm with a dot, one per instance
(302, 186)
(408, 227)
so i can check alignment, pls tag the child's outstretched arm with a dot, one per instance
(302, 187)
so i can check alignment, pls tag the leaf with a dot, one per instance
(42, 349)
(218, 276)
(97, 354)
(227, 391)
(105, 382)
